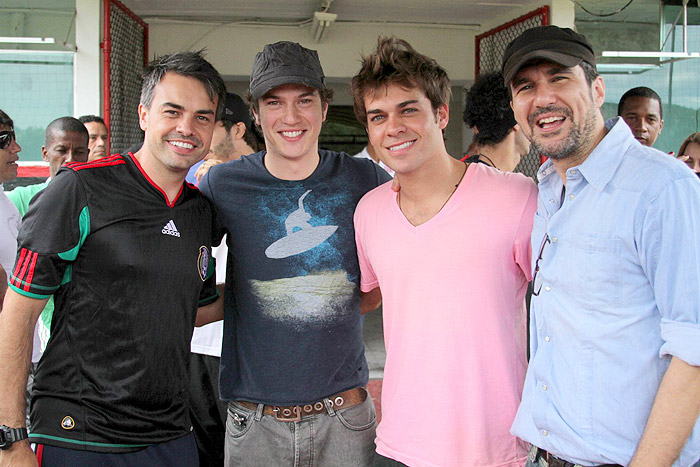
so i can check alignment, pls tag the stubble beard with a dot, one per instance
(576, 141)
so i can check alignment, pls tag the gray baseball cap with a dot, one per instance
(285, 63)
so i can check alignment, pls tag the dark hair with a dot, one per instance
(396, 62)
(64, 125)
(325, 94)
(488, 109)
(6, 120)
(189, 64)
(91, 118)
(641, 91)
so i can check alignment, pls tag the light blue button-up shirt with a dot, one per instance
(620, 295)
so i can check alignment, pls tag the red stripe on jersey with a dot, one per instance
(23, 271)
(32, 266)
(22, 254)
(155, 185)
(116, 159)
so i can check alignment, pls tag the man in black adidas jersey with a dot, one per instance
(124, 246)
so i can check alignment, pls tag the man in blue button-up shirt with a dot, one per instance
(614, 376)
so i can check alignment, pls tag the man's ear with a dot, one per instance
(240, 130)
(325, 110)
(143, 113)
(443, 115)
(44, 153)
(598, 91)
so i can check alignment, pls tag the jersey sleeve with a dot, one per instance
(50, 236)
(209, 293)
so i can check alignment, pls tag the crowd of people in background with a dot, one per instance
(231, 218)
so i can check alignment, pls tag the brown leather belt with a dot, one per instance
(553, 461)
(293, 413)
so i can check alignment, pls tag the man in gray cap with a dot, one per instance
(292, 363)
(614, 375)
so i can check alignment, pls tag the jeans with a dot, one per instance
(338, 438)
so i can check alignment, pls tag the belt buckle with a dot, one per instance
(287, 414)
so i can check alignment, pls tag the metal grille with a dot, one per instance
(126, 39)
(490, 47)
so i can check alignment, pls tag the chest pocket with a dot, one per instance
(600, 271)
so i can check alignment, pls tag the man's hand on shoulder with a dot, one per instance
(204, 168)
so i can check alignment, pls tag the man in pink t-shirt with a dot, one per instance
(450, 255)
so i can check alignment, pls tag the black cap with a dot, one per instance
(235, 110)
(285, 63)
(559, 45)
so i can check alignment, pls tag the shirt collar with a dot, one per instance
(600, 165)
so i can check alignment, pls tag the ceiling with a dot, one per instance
(456, 12)
(395, 11)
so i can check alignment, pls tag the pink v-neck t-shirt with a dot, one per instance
(454, 319)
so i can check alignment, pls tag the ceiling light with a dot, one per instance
(26, 40)
(320, 24)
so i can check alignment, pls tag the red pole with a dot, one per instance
(106, 65)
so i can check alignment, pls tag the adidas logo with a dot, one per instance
(170, 229)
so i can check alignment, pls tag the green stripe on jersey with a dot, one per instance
(87, 443)
(84, 223)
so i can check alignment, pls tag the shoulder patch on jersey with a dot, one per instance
(203, 262)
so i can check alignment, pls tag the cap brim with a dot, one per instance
(516, 62)
(263, 88)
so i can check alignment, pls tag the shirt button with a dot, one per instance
(555, 239)
(548, 288)
(544, 387)
(552, 201)
(574, 172)
(572, 196)
(546, 338)
(545, 432)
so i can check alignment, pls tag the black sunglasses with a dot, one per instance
(537, 287)
(6, 138)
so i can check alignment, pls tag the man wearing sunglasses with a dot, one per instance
(614, 373)
(9, 216)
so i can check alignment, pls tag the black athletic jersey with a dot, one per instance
(127, 269)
